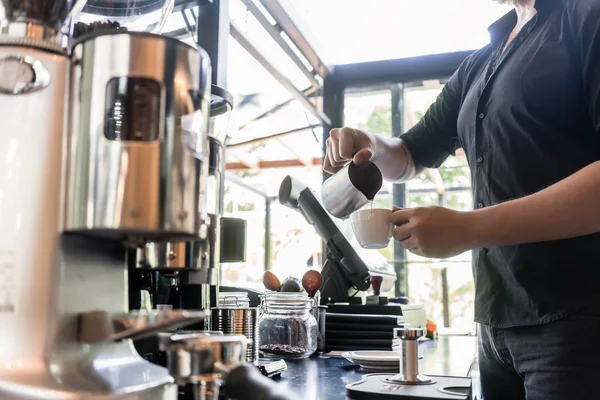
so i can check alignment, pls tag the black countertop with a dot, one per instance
(325, 378)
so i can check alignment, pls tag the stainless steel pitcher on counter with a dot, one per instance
(351, 188)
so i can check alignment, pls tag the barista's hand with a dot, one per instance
(434, 232)
(342, 143)
(246, 383)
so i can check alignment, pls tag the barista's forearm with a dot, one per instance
(394, 160)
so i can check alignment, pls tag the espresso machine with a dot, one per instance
(103, 148)
(186, 273)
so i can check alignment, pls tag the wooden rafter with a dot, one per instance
(232, 166)
(270, 137)
(255, 164)
(307, 161)
(248, 160)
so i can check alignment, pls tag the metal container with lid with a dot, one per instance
(234, 299)
(236, 320)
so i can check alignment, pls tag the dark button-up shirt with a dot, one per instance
(526, 117)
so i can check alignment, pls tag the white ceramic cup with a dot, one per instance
(372, 227)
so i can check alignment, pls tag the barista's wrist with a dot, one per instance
(483, 227)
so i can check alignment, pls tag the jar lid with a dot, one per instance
(233, 294)
(292, 300)
(234, 299)
(288, 296)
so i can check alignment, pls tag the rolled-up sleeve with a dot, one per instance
(435, 136)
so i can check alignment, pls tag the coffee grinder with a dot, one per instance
(102, 148)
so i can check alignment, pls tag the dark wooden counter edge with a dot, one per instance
(325, 377)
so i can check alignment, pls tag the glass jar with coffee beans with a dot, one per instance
(287, 328)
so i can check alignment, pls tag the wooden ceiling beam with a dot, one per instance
(248, 160)
(307, 161)
(316, 161)
(232, 166)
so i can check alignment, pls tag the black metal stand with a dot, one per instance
(213, 36)
(335, 285)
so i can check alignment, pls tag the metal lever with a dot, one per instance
(409, 357)
(100, 326)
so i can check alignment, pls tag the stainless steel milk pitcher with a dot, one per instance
(351, 188)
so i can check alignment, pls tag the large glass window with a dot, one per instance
(363, 31)
(443, 287)
(370, 110)
(294, 245)
(250, 206)
(263, 107)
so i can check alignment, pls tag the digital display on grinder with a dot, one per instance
(132, 110)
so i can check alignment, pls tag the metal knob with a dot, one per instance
(409, 357)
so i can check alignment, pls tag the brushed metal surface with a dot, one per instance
(155, 189)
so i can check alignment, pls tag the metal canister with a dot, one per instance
(138, 145)
(238, 321)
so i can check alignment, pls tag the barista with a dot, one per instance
(526, 111)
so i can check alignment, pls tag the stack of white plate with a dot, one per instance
(371, 360)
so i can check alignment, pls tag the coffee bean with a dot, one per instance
(282, 349)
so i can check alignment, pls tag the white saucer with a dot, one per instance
(374, 360)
